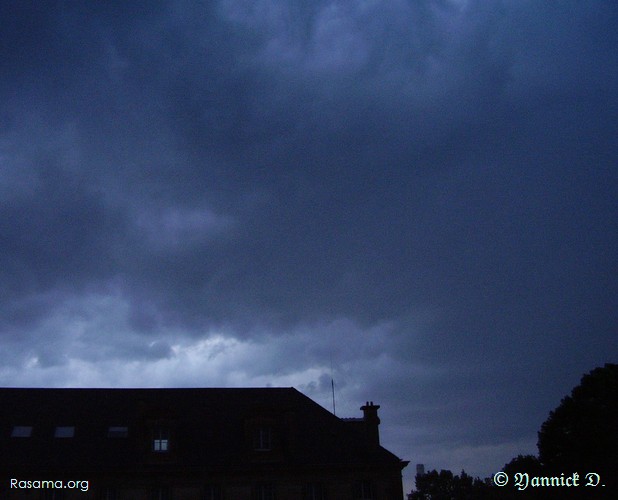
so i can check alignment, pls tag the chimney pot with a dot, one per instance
(371, 422)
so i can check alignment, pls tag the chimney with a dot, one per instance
(371, 421)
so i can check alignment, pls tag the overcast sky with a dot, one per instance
(417, 197)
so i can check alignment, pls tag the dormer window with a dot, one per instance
(262, 439)
(161, 440)
(21, 431)
(67, 431)
(117, 432)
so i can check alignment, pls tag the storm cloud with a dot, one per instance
(416, 198)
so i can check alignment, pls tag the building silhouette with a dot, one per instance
(186, 444)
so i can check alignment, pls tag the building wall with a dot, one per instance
(134, 443)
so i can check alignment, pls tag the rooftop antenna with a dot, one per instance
(332, 384)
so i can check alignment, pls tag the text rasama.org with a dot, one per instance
(47, 484)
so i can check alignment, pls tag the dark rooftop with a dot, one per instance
(209, 427)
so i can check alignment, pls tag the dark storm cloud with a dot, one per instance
(422, 191)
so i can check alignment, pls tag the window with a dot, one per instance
(117, 432)
(65, 432)
(21, 431)
(264, 491)
(262, 439)
(315, 491)
(212, 492)
(161, 440)
(364, 490)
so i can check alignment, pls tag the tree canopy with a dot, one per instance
(443, 485)
(581, 434)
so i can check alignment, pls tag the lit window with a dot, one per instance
(161, 440)
(262, 439)
(117, 432)
(21, 431)
(65, 432)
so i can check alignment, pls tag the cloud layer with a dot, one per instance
(417, 198)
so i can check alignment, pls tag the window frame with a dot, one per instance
(263, 438)
(118, 431)
(22, 431)
(64, 432)
(160, 439)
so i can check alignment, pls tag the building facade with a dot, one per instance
(189, 444)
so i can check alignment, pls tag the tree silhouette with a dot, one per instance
(582, 433)
(443, 485)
